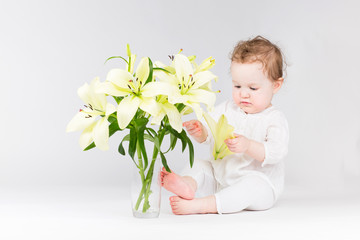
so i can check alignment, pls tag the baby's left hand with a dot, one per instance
(239, 144)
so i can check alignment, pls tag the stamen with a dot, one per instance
(81, 110)
(91, 107)
(130, 80)
(129, 87)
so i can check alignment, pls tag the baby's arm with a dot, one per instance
(241, 144)
(196, 129)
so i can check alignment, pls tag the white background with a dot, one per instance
(50, 48)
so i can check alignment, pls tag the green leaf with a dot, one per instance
(132, 142)
(157, 142)
(149, 137)
(121, 149)
(91, 146)
(173, 140)
(140, 126)
(150, 77)
(164, 162)
(140, 138)
(118, 99)
(116, 57)
(191, 150)
(178, 135)
(161, 69)
(150, 130)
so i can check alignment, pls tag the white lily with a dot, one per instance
(136, 92)
(204, 66)
(93, 129)
(221, 131)
(171, 111)
(192, 87)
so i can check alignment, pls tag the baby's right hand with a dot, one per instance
(196, 130)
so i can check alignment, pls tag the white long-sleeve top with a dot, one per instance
(269, 127)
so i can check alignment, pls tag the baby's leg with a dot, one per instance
(183, 186)
(251, 192)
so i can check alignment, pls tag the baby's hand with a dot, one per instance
(239, 144)
(196, 130)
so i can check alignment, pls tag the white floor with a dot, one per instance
(104, 213)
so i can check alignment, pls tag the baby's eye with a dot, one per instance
(237, 86)
(253, 89)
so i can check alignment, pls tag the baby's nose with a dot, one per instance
(244, 93)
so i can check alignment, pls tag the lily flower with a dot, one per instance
(136, 92)
(171, 111)
(220, 131)
(93, 129)
(192, 87)
(205, 65)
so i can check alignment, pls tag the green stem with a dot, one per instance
(142, 175)
(146, 181)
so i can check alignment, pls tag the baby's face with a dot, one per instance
(252, 90)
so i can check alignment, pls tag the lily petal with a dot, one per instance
(101, 134)
(142, 71)
(119, 77)
(109, 109)
(152, 89)
(150, 106)
(183, 67)
(79, 122)
(202, 96)
(196, 107)
(210, 122)
(98, 100)
(83, 93)
(223, 129)
(165, 77)
(113, 90)
(157, 119)
(173, 115)
(126, 110)
(202, 78)
(86, 136)
(168, 68)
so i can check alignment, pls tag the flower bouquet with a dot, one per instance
(148, 103)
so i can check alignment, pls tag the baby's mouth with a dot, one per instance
(245, 103)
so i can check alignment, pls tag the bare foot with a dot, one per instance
(181, 206)
(184, 187)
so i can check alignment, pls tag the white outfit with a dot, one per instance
(239, 181)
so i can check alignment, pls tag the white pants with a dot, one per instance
(251, 192)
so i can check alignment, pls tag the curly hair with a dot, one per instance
(259, 49)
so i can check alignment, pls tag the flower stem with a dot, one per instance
(146, 181)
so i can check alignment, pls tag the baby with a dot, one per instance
(251, 178)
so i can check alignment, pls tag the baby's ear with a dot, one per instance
(277, 84)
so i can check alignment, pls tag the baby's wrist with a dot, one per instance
(248, 145)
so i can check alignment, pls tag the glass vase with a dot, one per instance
(146, 190)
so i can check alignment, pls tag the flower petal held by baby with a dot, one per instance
(221, 131)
